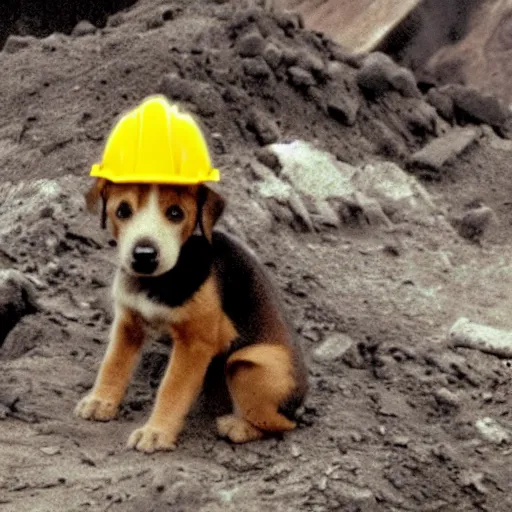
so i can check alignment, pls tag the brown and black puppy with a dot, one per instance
(212, 296)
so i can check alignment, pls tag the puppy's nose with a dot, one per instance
(144, 257)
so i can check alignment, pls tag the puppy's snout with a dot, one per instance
(144, 257)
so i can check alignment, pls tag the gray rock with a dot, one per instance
(373, 77)
(268, 158)
(202, 94)
(263, 126)
(379, 73)
(474, 222)
(251, 44)
(273, 55)
(443, 103)
(492, 431)
(333, 347)
(17, 299)
(83, 28)
(404, 81)
(343, 108)
(256, 67)
(309, 61)
(445, 397)
(301, 77)
(444, 149)
(15, 43)
(480, 106)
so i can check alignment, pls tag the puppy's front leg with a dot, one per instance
(179, 388)
(126, 340)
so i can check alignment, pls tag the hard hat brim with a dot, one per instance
(98, 171)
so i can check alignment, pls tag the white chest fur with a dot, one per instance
(155, 314)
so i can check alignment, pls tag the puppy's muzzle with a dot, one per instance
(144, 257)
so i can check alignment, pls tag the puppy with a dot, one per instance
(212, 296)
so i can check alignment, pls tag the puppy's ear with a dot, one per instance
(97, 191)
(210, 208)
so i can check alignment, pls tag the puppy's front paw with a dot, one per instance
(149, 439)
(93, 407)
(237, 429)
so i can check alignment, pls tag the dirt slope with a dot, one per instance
(391, 424)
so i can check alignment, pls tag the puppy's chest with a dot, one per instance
(158, 316)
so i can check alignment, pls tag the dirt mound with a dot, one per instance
(372, 265)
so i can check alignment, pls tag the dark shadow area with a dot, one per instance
(41, 18)
(434, 24)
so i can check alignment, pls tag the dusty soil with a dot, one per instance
(391, 424)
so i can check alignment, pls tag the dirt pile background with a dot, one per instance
(394, 419)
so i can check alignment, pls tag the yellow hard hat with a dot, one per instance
(156, 143)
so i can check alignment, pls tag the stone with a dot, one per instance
(300, 77)
(256, 67)
(251, 44)
(50, 450)
(477, 105)
(443, 103)
(16, 43)
(265, 128)
(83, 28)
(474, 222)
(445, 397)
(404, 81)
(273, 55)
(343, 108)
(268, 158)
(373, 77)
(309, 61)
(17, 299)
(492, 431)
(437, 153)
(465, 333)
(333, 347)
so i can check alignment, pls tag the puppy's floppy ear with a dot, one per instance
(210, 207)
(97, 191)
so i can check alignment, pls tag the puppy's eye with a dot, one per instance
(174, 213)
(124, 211)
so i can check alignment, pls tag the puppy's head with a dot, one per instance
(152, 222)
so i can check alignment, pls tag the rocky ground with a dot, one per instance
(382, 211)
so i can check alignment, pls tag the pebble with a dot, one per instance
(446, 397)
(474, 479)
(492, 431)
(343, 109)
(251, 44)
(265, 128)
(300, 77)
(474, 222)
(295, 450)
(333, 347)
(273, 55)
(16, 43)
(256, 67)
(50, 450)
(83, 28)
(401, 441)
